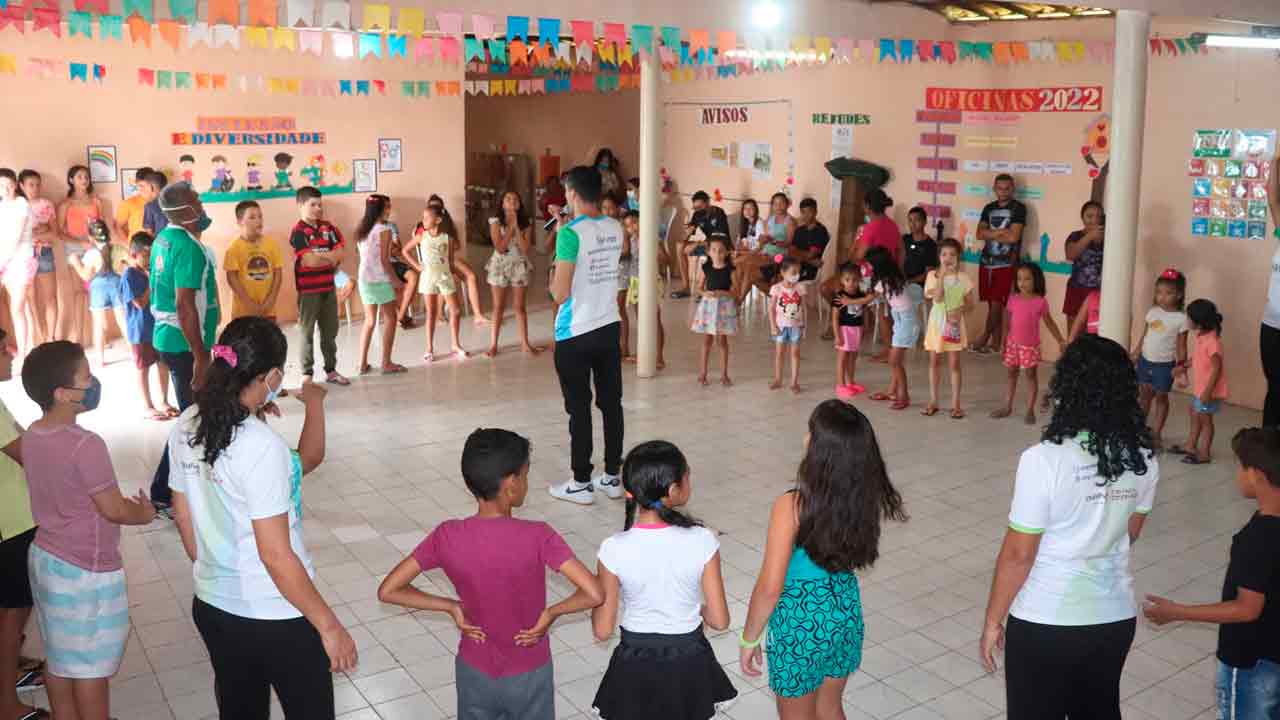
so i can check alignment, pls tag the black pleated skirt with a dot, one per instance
(670, 677)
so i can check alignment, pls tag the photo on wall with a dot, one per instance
(128, 182)
(364, 175)
(102, 163)
(389, 155)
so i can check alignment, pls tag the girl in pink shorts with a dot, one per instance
(1026, 309)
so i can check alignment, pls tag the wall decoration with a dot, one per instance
(975, 166)
(282, 161)
(1001, 166)
(1227, 170)
(1057, 168)
(1019, 100)
(840, 119)
(986, 118)
(725, 115)
(390, 159)
(253, 174)
(222, 181)
(128, 182)
(1211, 143)
(365, 178)
(1028, 168)
(186, 167)
(720, 156)
(762, 161)
(247, 131)
(102, 163)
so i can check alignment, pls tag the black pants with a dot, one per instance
(578, 359)
(1057, 671)
(252, 657)
(1269, 345)
(181, 371)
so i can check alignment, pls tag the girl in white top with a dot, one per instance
(375, 236)
(1161, 350)
(749, 256)
(237, 497)
(664, 570)
(434, 263)
(509, 267)
(17, 254)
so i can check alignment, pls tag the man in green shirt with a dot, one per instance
(184, 301)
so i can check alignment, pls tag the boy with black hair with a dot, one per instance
(1248, 684)
(496, 562)
(810, 240)
(135, 292)
(255, 269)
(131, 214)
(153, 217)
(318, 251)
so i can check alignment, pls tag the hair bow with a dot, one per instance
(1170, 274)
(226, 354)
(778, 258)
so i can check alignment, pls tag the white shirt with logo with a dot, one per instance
(594, 245)
(1163, 329)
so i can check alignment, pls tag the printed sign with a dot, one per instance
(1028, 168)
(1057, 168)
(839, 119)
(725, 115)
(1018, 100)
(975, 165)
(247, 131)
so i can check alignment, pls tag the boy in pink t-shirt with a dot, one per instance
(1026, 309)
(496, 564)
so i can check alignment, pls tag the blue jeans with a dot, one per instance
(1249, 693)
(181, 371)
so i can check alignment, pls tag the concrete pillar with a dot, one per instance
(650, 207)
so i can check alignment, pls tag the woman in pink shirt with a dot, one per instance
(879, 231)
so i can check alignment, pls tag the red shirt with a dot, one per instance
(307, 238)
(883, 232)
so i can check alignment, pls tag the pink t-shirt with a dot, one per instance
(66, 466)
(790, 305)
(1024, 319)
(883, 232)
(1093, 310)
(496, 566)
(1207, 345)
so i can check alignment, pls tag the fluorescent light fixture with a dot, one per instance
(1012, 16)
(973, 18)
(766, 15)
(1242, 41)
(1092, 11)
(1047, 15)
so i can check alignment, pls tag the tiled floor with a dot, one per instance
(391, 474)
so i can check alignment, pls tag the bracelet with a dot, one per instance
(744, 644)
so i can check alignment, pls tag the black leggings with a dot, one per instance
(596, 356)
(1054, 672)
(1269, 345)
(251, 657)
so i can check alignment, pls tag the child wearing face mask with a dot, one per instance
(77, 575)
(786, 322)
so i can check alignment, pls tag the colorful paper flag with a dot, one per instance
(474, 50)
(377, 16)
(450, 23)
(450, 50)
(202, 81)
(549, 31)
(300, 13)
(78, 71)
(47, 18)
(139, 30)
(263, 12)
(80, 23)
(424, 88)
(518, 53)
(99, 72)
(518, 28)
(379, 86)
(397, 46)
(184, 10)
(164, 79)
(171, 32)
(311, 41)
(146, 76)
(411, 21)
(642, 38)
(284, 38)
(143, 8)
(102, 7)
(335, 14)
(226, 36)
(498, 51)
(423, 49)
(888, 50)
(370, 44)
(182, 80)
(223, 12)
(344, 45)
(344, 87)
(199, 33)
(583, 31)
(482, 25)
(256, 38)
(362, 87)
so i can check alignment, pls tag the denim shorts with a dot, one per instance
(44, 260)
(104, 292)
(789, 336)
(1210, 408)
(906, 328)
(1158, 375)
(1249, 693)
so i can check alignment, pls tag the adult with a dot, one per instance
(152, 216)
(1269, 341)
(239, 513)
(705, 221)
(588, 338)
(1000, 229)
(80, 208)
(810, 239)
(880, 231)
(184, 301)
(1080, 499)
(606, 163)
(17, 255)
(780, 228)
(1084, 250)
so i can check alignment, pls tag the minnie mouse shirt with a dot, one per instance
(790, 305)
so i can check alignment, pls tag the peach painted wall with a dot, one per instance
(138, 121)
(1233, 273)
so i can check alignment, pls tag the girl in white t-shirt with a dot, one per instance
(1160, 353)
(664, 571)
(237, 496)
(377, 282)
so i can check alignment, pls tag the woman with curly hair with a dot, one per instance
(1080, 499)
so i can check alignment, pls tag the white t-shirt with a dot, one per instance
(1271, 315)
(1081, 572)
(257, 476)
(594, 245)
(751, 241)
(660, 570)
(1163, 329)
(15, 215)
(371, 269)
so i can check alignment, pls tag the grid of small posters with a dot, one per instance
(1228, 170)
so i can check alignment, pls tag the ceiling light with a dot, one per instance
(1012, 16)
(766, 15)
(1242, 41)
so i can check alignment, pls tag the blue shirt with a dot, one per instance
(153, 217)
(139, 322)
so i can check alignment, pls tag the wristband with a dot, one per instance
(744, 644)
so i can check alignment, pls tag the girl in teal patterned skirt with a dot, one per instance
(820, 532)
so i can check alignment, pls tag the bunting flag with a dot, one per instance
(450, 50)
(474, 50)
(78, 71)
(449, 23)
(102, 7)
(518, 52)
(171, 32)
(183, 10)
(1020, 52)
(407, 88)
(642, 39)
(370, 44)
(256, 38)
(142, 8)
(615, 33)
(518, 28)
(47, 18)
(335, 14)
(311, 41)
(164, 79)
(182, 80)
(139, 30)
(1003, 53)
(549, 31)
(888, 50)
(202, 81)
(99, 72)
(423, 49)
(264, 13)
(223, 12)
(907, 50)
(362, 87)
(583, 34)
(377, 17)
(284, 38)
(411, 21)
(344, 87)
(397, 46)
(300, 13)
(867, 50)
(343, 44)
(198, 33)
(498, 51)
(226, 36)
(482, 25)
(844, 49)
(542, 54)
(146, 76)
(8, 64)
(822, 46)
(80, 23)
(671, 37)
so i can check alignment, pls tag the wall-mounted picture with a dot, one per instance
(364, 175)
(128, 182)
(102, 163)
(389, 157)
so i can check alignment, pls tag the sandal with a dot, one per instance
(929, 410)
(366, 369)
(881, 397)
(37, 714)
(429, 357)
(336, 378)
(900, 405)
(1195, 460)
(957, 414)
(394, 369)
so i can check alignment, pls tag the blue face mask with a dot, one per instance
(273, 393)
(92, 394)
(203, 222)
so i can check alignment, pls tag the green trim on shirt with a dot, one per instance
(567, 245)
(1143, 511)
(1026, 530)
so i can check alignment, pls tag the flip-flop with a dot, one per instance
(930, 410)
(429, 357)
(460, 354)
(1193, 460)
(958, 414)
(881, 397)
(365, 369)
(334, 378)
(36, 714)
(394, 369)
(899, 405)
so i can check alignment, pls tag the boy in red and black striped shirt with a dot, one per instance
(318, 250)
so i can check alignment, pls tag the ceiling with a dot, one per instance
(1261, 12)
(961, 11)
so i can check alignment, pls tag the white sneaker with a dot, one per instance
(573, 492)
(611, 485)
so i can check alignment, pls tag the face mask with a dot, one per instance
(92, 394)
(631, 194)
(273, 393)
(792, 278)
(203, 222)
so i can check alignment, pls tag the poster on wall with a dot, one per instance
(762, 161)
(389, 157)
(1228, 170)
(102, 163)
(128, 182)
(364, 175)
(841, 146)
(720, 156)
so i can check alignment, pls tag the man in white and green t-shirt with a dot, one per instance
(184, 301)
(585, 286)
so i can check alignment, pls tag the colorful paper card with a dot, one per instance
(1200, 226)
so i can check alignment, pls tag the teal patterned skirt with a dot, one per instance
(815, 633)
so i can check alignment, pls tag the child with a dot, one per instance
(902, 297)
(633, 194)
(1088, 321)
(786, 321)
(1248, 684)
(458, 263)
(1026, 308)
(628, 263)
(952, 294)
(496, 562)
(1161, 350)
(131, 215)
(846, 325)
(318, 252)
(433, 262)
(104, 286)
(664, 570)
(48, 245)
(255, 269)
(373, 237)
(1209, 381)
(820, 534)
(77, 576)
(631, 224)
(135, 293)
(509, 267)
(716, 315)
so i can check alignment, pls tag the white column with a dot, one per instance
(1124, 181)
(650, 204)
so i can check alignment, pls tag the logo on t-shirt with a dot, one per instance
(258, 267)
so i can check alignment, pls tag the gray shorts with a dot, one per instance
(529, 696)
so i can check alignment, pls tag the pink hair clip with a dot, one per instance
(226, 354)
(778, 258)
(1170, 274)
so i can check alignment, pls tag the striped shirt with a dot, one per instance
(307, 238)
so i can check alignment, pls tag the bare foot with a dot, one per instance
(173, 412)
(702, 380)
(775, 384)
(532, 349)
(481, 320)
(460, 354)
(725, 381)
(662, 364)
(492, 352)
(629, 359)
(1001, 413)
(795, 388)
(154, 414)
(1030, 417)
(881, 358)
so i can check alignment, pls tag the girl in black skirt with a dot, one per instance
(664, 570)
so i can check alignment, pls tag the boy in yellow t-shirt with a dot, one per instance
(131, 214)
(254, 266)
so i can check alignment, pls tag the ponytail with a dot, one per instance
(248, 348)
(648, 474)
